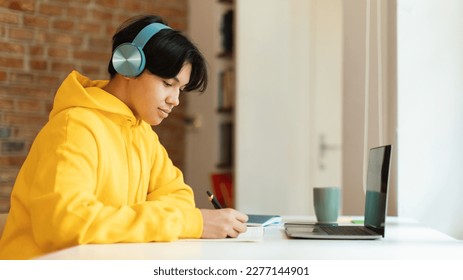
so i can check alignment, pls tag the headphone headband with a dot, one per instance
(128, 58)
(147, 32)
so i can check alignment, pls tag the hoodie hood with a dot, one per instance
(79, 91)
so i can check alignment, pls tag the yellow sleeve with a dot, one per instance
(64, 208)
(167, 186)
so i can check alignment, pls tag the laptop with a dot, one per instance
(379, 163)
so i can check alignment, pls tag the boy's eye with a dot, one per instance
(167, 84)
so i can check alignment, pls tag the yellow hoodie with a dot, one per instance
(95, 174)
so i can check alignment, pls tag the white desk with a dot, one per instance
(405, 240)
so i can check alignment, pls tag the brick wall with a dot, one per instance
(41, 41)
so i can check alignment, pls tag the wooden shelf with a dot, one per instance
(226, 55)
(226, 1)
(225, 110)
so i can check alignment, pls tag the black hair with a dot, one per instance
(166, 52)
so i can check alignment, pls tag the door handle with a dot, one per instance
(323, 148)
(193, 120)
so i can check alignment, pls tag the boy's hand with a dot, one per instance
(222, 223)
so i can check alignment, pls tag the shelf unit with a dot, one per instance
(222, 179)
(226, 86)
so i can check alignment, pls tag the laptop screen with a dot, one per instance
(379, 160)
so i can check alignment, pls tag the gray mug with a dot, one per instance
(326, 201)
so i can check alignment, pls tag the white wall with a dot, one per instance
(430, 112)
(202, 143)
(354, 67)
(272, 118)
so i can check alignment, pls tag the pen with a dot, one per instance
(213, 200)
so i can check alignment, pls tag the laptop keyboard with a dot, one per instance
(345, 230)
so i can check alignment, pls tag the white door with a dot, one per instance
(323, 149)
(326, 93)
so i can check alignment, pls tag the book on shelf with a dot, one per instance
(227, 31)
(226, 98)
(225, 145)
(222, 186)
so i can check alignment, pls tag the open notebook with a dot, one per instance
(262, 220)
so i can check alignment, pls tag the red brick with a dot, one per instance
(40, 36)
(6, 104)
(23, 5)
(21, 77)
(38, 64)
(31, 91)
(91, 70)
(51, 10)
(100, 43)
(64, 39)
(51, 81)
(57, 52)
(171, 12)
(134, 6)
(36, 21)
(102, 16)
(3, 75)
(63, 24)
(11, 160)
(178, 4)
(29, 106)
(27, 131)
(36, 50)
(62, 67)
(78, 12)
(22, 34)
(27, 119)
(78, 2)
(13, 147)
(107, 3)
(91, 55)
(15, 48)
(11, 62)
(9, 18)
(93, 28)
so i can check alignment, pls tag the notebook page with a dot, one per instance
(252, 234)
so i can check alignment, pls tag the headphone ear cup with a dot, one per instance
(128, 60)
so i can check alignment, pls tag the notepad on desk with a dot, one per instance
(252, 234)
(262, 220)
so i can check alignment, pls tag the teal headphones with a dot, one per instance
(128, 58)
